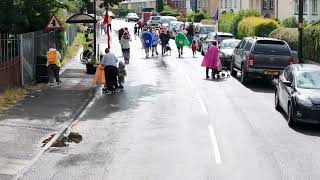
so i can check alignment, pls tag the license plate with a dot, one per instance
(271, 73)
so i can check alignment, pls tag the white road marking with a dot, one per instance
(197, 94)
(215, 145)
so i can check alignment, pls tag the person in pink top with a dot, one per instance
(211, 60)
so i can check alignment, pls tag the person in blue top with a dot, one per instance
(147, 41)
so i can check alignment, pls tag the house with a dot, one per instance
(138, 5)
(210, 6)
(291, 8)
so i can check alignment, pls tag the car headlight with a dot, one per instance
(304, 101)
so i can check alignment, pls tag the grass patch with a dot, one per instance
(11, 96)
(73, 49)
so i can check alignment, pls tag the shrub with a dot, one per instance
(255, 26)
(225, 20)
(311, 40)
(199, 16)
(290, 35)
(165, 13)
(207, 21)
(190, 16)
(290, 22)
(239, 16)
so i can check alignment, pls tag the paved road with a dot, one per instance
(170, 123)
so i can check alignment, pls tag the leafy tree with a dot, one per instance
(159, 5)
(20, 16)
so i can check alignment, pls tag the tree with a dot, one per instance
(159, 5)
(19, 16)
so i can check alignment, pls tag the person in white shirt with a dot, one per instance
(110, 61)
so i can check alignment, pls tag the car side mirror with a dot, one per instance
(287, 83)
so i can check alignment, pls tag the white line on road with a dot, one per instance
(215, 145)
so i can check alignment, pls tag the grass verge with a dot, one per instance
(11, 96)
(73, 49)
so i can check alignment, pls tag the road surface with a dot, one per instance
(170, 123)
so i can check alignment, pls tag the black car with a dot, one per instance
(298, 93)
(260, 57)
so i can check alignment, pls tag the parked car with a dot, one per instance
(260, 57)
(227, 47)
(132, 17)
(298, 93)
(165, 20)
(220, 36)
(154, 21)
(202, 32)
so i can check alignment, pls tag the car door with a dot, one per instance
(247, 49)
(281, 87)
(285, 91)
(237, 51)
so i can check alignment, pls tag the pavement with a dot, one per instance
(40, 114)
(170, 123)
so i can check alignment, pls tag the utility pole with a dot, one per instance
(95, 27)
(300, 45)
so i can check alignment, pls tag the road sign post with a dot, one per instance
(54, 24)
(300, 44)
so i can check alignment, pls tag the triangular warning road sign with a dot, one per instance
(54, 23)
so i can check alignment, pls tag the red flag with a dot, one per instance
(105, 21)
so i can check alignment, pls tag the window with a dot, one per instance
(305, 6)
(242, 43)
(314, 6)
(226, 3)
(265, 4)
(235, 4)
(248, 45)
(271, 4)
(270, 47)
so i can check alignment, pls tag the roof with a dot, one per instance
(81, 18)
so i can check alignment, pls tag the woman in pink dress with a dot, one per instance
(211, 60)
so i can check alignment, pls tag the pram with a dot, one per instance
(222, 71)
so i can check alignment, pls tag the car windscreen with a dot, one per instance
(308, 80)
(271, 47)
(167, 20)
(223, 37)
(206, 29)
(229, 44)
(155, 18)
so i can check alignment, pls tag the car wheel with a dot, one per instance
(233, 72)
(244, 76)
(291, 121)
(277, 101)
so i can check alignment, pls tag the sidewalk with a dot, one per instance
(40, 114)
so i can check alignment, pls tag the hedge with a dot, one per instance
(255, 26)
(291, 35)
(225, 20)
(311, 40)
(290, 22)
(198, 17)
(166, 13)
(241, 15)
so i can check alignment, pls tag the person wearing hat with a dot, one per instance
(125, 46)
(54, 65)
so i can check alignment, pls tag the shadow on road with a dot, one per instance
(261, 86)
(128, 99)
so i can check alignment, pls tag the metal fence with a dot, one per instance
(18, 54)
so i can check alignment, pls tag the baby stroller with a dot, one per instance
(222, 71)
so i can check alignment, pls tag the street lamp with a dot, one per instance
(300, 45)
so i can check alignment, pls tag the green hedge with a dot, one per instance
(290, 22)
(165, 13)
(255, 26)
(311, 40)
(198, 17)
(291, 35)
(241, 15)
(225, 22)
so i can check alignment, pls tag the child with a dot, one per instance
(194, 47)
(122, 73)
(125, 46)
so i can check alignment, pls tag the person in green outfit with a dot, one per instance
(181, 41)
